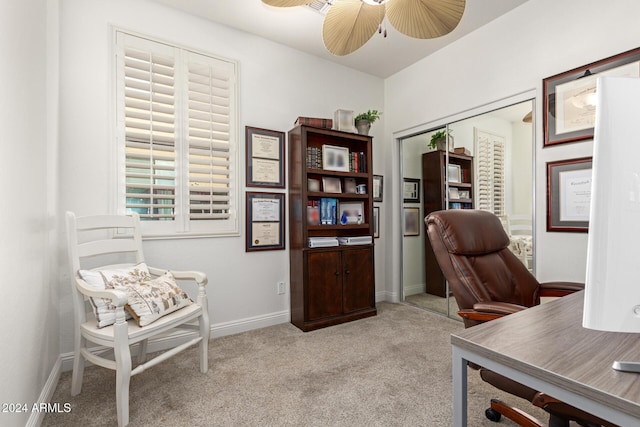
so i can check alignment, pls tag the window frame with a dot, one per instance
(181, 226)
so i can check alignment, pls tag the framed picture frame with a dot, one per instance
(411, 221)
(569, 97)
(331, 184)
(335, 158)
(265, 165)
(313, 185)
(343, 120)
(351, 213)
(376, 222)
(454, 174)
(454, 194)
(378, 181)
(411, 190)
(569, 195)
(350, 186)
(265, 228)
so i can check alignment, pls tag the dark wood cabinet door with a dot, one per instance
(324, 285)
(357, 267)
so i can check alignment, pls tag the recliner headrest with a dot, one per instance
(453, 223)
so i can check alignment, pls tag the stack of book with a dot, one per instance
(315, 122)
(322, 242)
(355, 240)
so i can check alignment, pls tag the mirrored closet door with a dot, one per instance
(481, 162)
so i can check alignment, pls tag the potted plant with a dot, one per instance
(363, 121)
(439, 140)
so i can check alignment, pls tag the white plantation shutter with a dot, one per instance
(176, 115)
(150, 155)
(490, 158)
(209, 151)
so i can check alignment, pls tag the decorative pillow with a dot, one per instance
(104, 310)
(149, 300)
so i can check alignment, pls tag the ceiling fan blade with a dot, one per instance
(425, 19)
(349, 24)
(286, 3)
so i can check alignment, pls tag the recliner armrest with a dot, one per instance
(490, 310)
(559, 289)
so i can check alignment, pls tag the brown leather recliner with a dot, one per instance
(488, 281)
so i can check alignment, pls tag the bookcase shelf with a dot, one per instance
(329, 285)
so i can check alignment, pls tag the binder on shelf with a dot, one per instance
(355, 240)
(322, 242)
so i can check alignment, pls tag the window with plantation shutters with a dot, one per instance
(490, 161)
(176, 134)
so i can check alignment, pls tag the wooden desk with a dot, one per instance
(546, 348)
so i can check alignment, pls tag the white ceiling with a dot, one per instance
(301, 28)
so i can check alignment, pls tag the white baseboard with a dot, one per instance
(386, 296)
(249, 324)
(217, 330)
(46, 394)
(416, 288)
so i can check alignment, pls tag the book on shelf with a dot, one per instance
(357, 162)
(355, 240)
(322, 242)
(315, 122)
(314, 158)
(328, 209)
(313, 212)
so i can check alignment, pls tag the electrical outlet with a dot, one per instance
(281, 288)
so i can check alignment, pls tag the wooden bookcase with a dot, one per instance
(434, 188)
(329, 285)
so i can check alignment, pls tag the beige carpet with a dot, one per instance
(390, 370)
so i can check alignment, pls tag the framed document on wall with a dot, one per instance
(265, 158)
(569, 98)
(265, 221)
(569, 195)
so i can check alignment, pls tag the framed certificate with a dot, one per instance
(265, 158)
(411, 190)
(569, 195)
(569, 98)
(265, 221)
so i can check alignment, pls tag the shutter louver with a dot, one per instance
(150, 151)
(208, 133)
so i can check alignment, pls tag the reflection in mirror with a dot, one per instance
(488, 165)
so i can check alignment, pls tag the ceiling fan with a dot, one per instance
(349, 24)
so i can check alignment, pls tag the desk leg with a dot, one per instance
(459, 367)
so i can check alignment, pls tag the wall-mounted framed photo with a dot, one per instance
(569, 97)
(265, 157)
(376, 222)
(411, 190)
(378, 180)
(411, 221)
(335, 158)
(569, 195)
(265, 221)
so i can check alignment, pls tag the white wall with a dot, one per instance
(29, 315)
(277, 84)
(509, 56)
